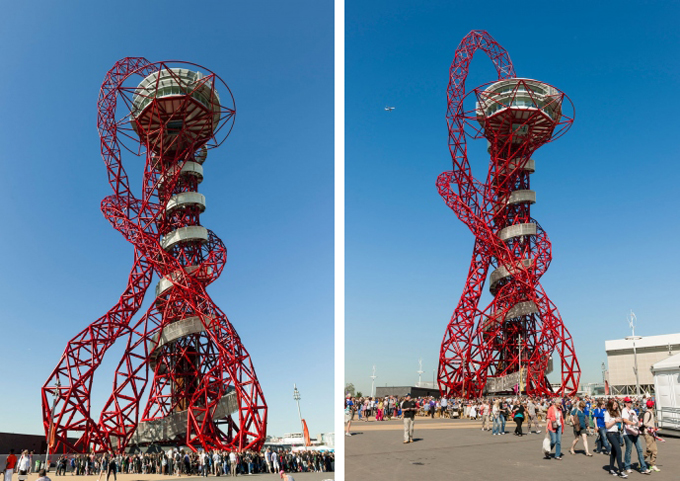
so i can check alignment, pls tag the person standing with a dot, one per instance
(613, 422)
(275, 461)
(111, 466)
(601, 444)
(484, 412)
(408, 408)
(348, 426)
(23, 465)
(473, 412)
(10, 465)
(505, 414)
(379, 410)
(648, 427)
(233, 462)
(531, 417)
(443, 404)
(496, 414)
(518, 416)
(555, 426)
(631, 435)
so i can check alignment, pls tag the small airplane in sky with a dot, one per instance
(389, 109)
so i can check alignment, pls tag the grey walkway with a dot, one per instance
(458, 449)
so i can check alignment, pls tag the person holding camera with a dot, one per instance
(613, 423)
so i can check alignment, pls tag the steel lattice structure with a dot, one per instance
(184, 364)
(510, 342)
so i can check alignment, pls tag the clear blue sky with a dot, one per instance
(606, 191)
(269, 188)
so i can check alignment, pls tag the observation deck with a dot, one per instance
(519, 110)
(175, 108)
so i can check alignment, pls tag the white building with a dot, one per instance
(621, 361)
(667, 383)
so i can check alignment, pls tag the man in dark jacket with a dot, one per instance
(408, 408)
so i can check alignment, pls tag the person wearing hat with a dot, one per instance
(648, 427)
(631, 435)
(408, 407)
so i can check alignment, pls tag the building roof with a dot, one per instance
(672, 363)
(644, 342)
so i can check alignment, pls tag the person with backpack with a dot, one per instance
(578, 421)
(648, 429)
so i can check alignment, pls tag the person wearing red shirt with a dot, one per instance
(10, 465)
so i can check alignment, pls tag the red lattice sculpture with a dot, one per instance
(203, 390)
(481, 349)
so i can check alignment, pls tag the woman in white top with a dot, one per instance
(473, 412)
(613, 423)
(23, 465)
(631, 435)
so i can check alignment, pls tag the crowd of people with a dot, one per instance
(617, 425)
(179, 462)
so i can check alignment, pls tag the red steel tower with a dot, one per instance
(507, 345)
(185, 376)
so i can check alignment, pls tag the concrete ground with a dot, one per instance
(458, 449)
(156, 477)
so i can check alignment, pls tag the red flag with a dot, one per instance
(51, 436)
(308, 442)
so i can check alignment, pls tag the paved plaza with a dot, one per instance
(458, 449)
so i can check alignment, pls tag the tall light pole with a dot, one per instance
(373, 382)
(52, 426)
(296, 396)
(519, 386)
(420, 371)
(631, 323)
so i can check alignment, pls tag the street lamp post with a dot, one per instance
(373, 382)
(296, 396)
(631, 323)
(49, 434)
(519, 385)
